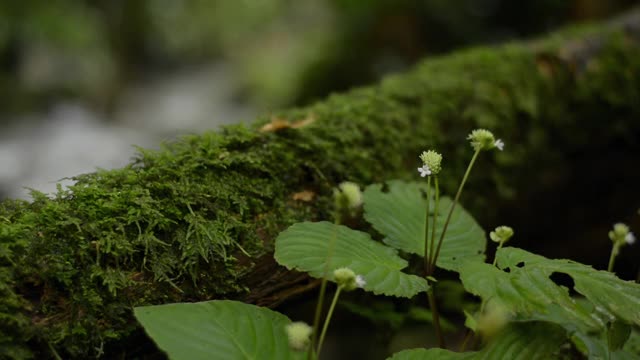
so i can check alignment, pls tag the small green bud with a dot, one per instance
(299, 334)
(432, 160)
(494, 318)
(348, 279)
(347, 196)
(482, 139)
(621, 234)
(501, 234)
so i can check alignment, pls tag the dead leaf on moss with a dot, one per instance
(304, 122)
(278, 123)
(305, 195)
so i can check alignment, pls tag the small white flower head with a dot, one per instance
(347, 196)
(482, 139)
(299, 334)
(432, 160)
(360, 281)
(424, 171)
(620, 233)
(346, 278)
(501, 234)
(630, 238)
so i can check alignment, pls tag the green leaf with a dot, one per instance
(528, 293)
(609, 294)
(306, 247)
(399, 214)
(518, 341)
(219, 329)
(617, 335)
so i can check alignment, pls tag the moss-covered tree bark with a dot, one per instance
(196, 220)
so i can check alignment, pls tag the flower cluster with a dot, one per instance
(431, 163)
(347, 198)
(621, 234)
(482, 139)
(501, 234)
(348, 279)
(299, 335)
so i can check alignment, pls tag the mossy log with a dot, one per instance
(196, 220)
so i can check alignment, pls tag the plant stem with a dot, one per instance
(327, 319)
(495, 257)
(432, 261)
(453, 206)
(612, 257)
(436, 317)
(467, 337)
(323, 289)
(426, 227)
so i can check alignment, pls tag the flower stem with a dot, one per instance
(426, 227)
(612, 257)
(327, 320)
(453, 206)
(495, 257)
(436, 317)
(323, 289)
(432, 261)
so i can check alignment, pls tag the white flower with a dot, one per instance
(360, 282)
(630, 238)
(499, 144)
(424, 170)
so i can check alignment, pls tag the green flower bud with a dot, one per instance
(348, 279)
(299, 334)
(482, 139)
(621, 234)
(347, 196)
(432, 160)
(501, 234)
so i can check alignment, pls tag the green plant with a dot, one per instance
(524, 313)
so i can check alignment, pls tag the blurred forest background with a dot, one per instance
(81, 81)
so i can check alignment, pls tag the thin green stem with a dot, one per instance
(426, 227)
(323, 289)
(468, 336)
(327, 320)
(436, 317)
(435, 219)
(495, 257)
(612, 257)
(453, 206)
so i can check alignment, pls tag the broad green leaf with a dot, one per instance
(518, 341)
(528, 292)
(307, 246)
(553, 304)
(595, 347)
(609, 294)
(219, 329)
(399, 214)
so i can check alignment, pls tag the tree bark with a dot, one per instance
(196, 220)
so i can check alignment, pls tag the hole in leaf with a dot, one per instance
(562, 279)
(453, 258)
(520, 264)
(479, 252)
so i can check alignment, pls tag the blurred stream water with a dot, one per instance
(39, 150)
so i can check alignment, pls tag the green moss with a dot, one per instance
(187, 222)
